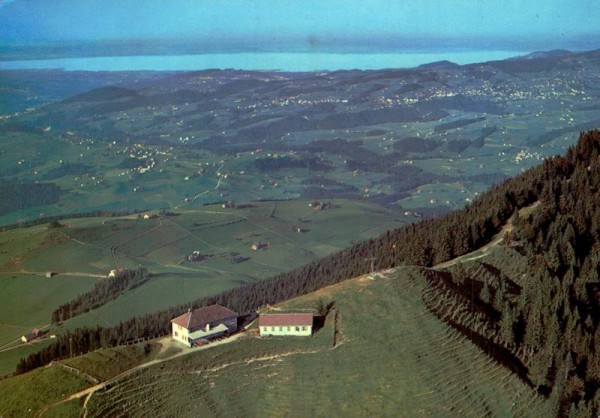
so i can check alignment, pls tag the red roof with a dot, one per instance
(285, 319)
(202, 316)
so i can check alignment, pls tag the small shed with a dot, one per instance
(258, 246)
(116, 273)
(35, 333)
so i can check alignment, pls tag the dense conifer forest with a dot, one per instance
(544, 329)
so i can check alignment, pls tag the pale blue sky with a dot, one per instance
(549, 21)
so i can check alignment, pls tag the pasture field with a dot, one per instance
(28, 300)
(27, 303)
(417, 366)
(87, 248)
(106, 363)
(12, 352)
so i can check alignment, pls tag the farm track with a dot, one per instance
(88, 393)
(113, 248)
(496, 240)
(61, 273)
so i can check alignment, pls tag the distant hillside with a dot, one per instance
(469, 125)
(439, 65)
(103, 94)
(545, 54)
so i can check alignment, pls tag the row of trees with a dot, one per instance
(56, 218)
(102, 292)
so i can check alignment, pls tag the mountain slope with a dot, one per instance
(532, 305)
(535, 307)
(380, 352)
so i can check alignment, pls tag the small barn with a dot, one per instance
(205, 323)
(259, 246)
(293, 324)
(116, 273)
(35, 333)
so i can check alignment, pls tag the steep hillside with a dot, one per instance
(380, 352)
(535, 305)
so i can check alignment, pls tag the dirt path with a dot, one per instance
(496, 240)
(60, 273)
(113, 248)
(88, 393)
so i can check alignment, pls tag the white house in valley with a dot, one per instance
(296, 324)
(203, 324)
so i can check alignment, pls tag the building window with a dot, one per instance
(272, 329)
(288, 329)
(297, 329)
(176, 334)
(280, 329)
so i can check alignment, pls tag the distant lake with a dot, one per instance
(260, 61)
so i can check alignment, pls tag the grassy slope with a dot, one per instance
(25, 394)
(393, 358)
(27, 302)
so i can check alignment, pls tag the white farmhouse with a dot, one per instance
(194, 327)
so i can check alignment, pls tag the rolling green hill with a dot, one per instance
(128, 141)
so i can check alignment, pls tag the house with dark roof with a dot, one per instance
(296, 324)
(202, 324)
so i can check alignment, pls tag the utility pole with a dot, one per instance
(372, 259)
(70, 347)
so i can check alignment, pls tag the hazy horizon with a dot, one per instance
(288, 26)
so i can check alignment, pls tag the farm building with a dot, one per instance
(35, 333)
(257, 246)
(203, 324)
(116, 273)
(297, 324)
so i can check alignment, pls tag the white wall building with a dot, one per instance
(296, 324)
(203, 324)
